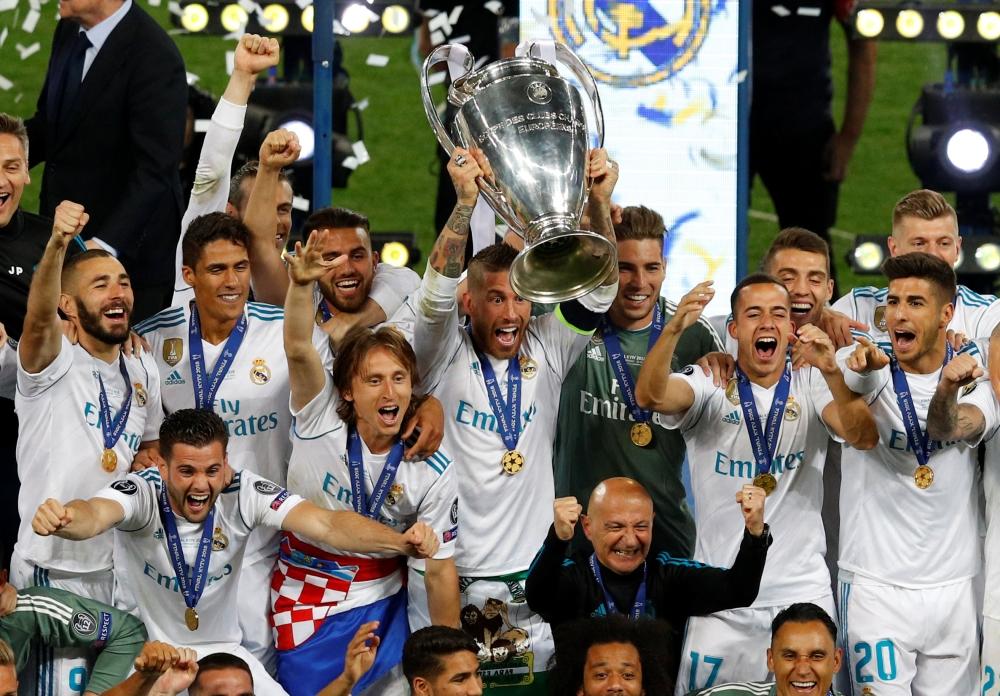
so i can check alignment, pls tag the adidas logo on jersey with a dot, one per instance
(595, 353)
(732, 418)
(174, 378)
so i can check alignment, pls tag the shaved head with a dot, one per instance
(619, 523)
(614, 490)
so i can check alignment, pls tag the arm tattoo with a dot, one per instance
(942, 417)
(460, 219)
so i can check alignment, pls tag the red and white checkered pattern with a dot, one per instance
(301, 598)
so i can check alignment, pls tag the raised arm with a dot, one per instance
(441, 582)
(42, 336)
(848, 414)
(656, 388)
(604, 173)
(306, 373)
(78, 519)
(946, 418)
(552, 587)
(448, 255)
(280, 149)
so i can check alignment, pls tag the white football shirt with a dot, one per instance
(721, 460)
(248, 502)
(60, 442)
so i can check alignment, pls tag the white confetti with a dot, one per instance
(35, 5)
(6, 5)
(494, 6)
(300, 203)
(437, 78)
(154, 3)
(249, 6)
(5, 84)
(18, 97)
(192, 78)
(740, 77)
(377, 60)
(361, 152)
(464, 39)
(175, 8)
(230, 62)
(201, 125)
(361, 105)
(780, 10)
(31, 21)
(338, 28)
(3, 36)
(350, 163)
(303, 4)
(27, 51)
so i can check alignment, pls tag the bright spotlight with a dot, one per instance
(275, 18)
(307, 138)
(868, 256)
(356, 18)
(194, 17)
(869, 23)
(950, 24)
(988, 256)
(395, 19)
(395, 254)
(988, 25)
(233, 18)
(307, 18)
(967, 150)
(909, 24)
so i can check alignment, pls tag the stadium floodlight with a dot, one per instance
(396, 248)
(929, 20)
(234, 18)
(194, 17)
(967, 150)
(356, 18)
(909, 24)
(395, 19)
(950, 25)
(275, 18)
(302, 127)
(988, 25)
(988, 256)
(308, 15)
(868, 254)
(869, 23)
(294, 17)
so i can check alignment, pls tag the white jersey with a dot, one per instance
(423, 491)
(391, 286)
(975, 315)
(253, 397)
(891, 531)
(248, 502)
(504, 517)
(721, 460)
(60, 442)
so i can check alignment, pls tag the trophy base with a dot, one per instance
(561, 265)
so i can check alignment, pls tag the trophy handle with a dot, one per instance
(440, 55)
(576, 66)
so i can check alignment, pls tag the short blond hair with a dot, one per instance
(924, 204)
(7, 657)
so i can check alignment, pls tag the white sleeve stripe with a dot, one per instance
(47, 601)
(37, 608)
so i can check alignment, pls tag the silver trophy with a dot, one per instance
(531, 125)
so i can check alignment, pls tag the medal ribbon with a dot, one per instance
(622, 374)
(204, 397)
(764, 443)
(112, 428)
(324, 310)
(508, 414)
(192, 580)
(638, 606)
(356, 467)
(920, 442)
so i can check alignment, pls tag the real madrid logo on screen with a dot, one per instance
(632, 44)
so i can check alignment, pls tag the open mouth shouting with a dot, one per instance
(197, 504)
(801, 312)
(4, 198)
(765, 347)
(507, 336)
(117, 314)
(903, 340)
(389, 415)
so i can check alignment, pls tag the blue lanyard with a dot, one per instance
(112, 428)
(192, 580)
(920, 442)
(617, 358)
(356, 466)
(764, 443)
(204, 396)
(638, 606)
(324, 310)
(508, 414)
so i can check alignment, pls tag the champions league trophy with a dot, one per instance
(531, 125)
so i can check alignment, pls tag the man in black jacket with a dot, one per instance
(109, 125)
(617, 579)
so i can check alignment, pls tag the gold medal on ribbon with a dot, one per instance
(923, 476)
(766, 481)
(109, 460)
(512, 462)
(641, 434)
(191, 619)
(732, 392)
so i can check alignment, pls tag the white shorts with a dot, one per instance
(63, 671)
(989, 673)
(903, 642)
(730, 646)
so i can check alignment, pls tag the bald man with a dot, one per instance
(616, 577)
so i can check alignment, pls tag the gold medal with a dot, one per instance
(766, 481)
(732, 392)
(109, 460)
(191, 619)
(641, 434)
(923, 476)
(512, 462)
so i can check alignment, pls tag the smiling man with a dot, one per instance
(182, 529)
(769, 425)
(803, 657)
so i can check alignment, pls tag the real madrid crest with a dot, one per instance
(792, 411)
(395, 494)
(260, 373)
(219, 540)
(528, 367)
(173, 351)
(733, 392)
(140, 393)
(879, 318)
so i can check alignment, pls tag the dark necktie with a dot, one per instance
(74, 73)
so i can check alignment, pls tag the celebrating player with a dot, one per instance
(908, 508)
(731, 442)
(348, 454)
(182, 529)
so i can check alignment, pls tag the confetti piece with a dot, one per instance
(300, 203)
(3, 36)
(377, 60)
(303, 4)
(249, 6)
(201, 125)
(361, 105)
(17, 99)
(154, 3)
(175, 8)
(27, 51)
(35, 5)
(7, 5)
(740, 77)
(361, 152)
(5, 84)
(465, 38)
(437, 78)
(192, 78)
(350, 163)
(494, 6)
(230, 62)
(31, 21)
